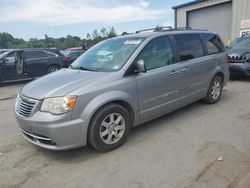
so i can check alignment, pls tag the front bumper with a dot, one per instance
(53, 132)
(240, 68)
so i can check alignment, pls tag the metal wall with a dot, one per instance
(217, 18)
(181, 13)
(240, 11)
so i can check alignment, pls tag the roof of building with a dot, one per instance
(188, 4)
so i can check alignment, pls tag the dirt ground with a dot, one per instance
(179, 150)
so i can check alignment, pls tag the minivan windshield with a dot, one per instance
(109, 55)
(241, 44)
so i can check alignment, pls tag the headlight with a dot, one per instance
(59, 105)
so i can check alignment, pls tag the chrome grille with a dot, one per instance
(25, 106)
(238, 59)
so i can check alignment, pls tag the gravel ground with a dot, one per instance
(179, 150)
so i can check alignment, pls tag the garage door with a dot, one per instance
(215, 18)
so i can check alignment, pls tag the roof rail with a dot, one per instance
(183, 28)
(188, 28)
(169, 28)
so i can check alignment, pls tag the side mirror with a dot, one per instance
(140, 66)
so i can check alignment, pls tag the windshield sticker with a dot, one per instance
(115, 67)
(133, 42)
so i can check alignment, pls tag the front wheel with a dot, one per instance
(214, 91)
(109, 127)
(53, 68)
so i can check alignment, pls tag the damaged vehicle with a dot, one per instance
(22, 64)
(121, 83)
(239, 56)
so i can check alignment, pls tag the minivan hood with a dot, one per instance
(60, 83)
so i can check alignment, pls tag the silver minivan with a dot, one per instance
(120, 83)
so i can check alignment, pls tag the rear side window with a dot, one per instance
(189, 46)
(50, 54)
(213, 44)
(35, 54)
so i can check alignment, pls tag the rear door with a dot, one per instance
(158, 87)
(35, 62)
(191, 55)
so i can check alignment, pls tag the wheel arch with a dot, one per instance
(121, 98)
(221, 75)
(51, 65)
(216, 72)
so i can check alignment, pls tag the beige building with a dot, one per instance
(229, 18)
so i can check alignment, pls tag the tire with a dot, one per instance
(214, 91)
(106, 134)
(52, 68)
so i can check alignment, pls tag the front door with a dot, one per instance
(8, 67)
(158, 87)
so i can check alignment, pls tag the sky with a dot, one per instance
(58, 18)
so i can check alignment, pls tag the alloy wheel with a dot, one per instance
(112, 128)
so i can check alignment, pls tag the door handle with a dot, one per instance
(174, 72)
(185, 69)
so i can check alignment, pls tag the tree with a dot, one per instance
(125, 33)
(112, 32)
(88, 36)
(104, 32)
(62, 43)
(46, 40)
(6, 40)
(95, 34)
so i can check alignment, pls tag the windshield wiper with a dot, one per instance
(85, 68)
(82, 68)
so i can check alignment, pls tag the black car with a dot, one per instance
(23, 64)
(239, 56)
(63, 58)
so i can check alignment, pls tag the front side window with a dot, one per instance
(189, 46)
(109, 55)
(213, 44)
(11, 58)
(157, 53)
